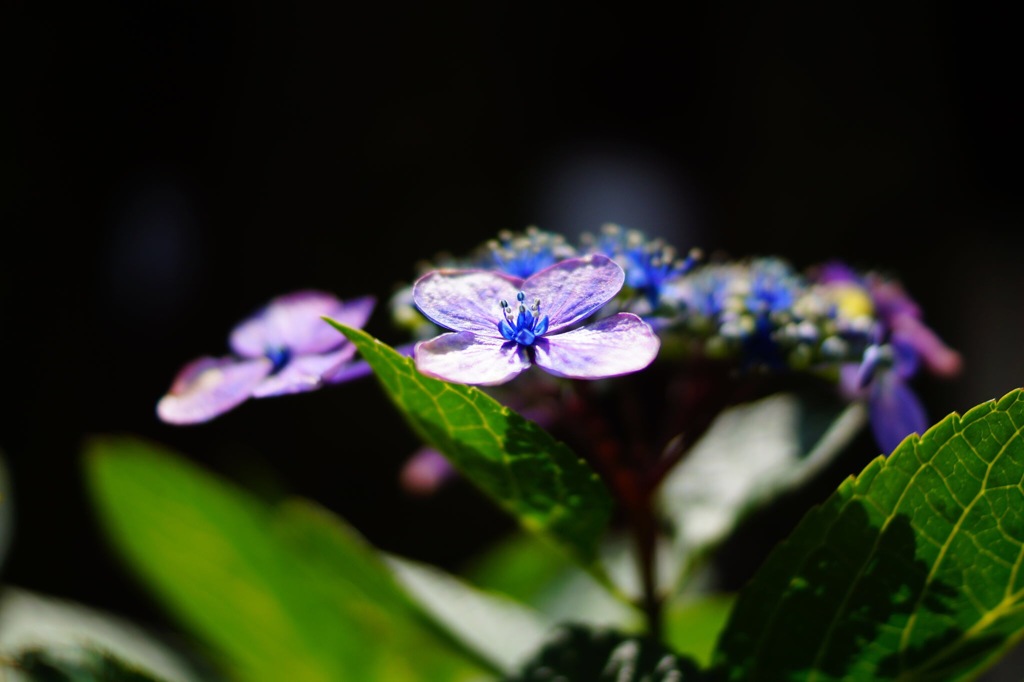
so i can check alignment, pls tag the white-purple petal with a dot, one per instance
(207, 387)
(465, 300)
(467, 358)
(303, 373)
(620, 344)
(347, 371)
(895, 411)
(573, 289)
(293, 322)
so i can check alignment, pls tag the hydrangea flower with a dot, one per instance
(492, 340)
(899, 343)
(284, 348)
(649, 264)
(519, 254)
(525, 254)
(754, 310)
(894, 409)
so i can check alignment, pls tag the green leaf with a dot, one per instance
(692, 625)
(579, 653)
(520, 566)
(751, 453)
(277, 593)
(532, 572)
(500, 629)
(85, 665)
(71, 631)
(534, 477)
(910, 571)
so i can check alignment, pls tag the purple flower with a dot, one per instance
(284, 348)
(650, 264)
(899, 343)
(493, 340)
(894, 409)
(524, 254)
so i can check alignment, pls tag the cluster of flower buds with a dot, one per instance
(523, 254)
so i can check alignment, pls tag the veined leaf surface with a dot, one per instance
(530, 474)
(910, 571)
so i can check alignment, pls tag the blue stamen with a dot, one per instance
(279, 357)
(525, 327)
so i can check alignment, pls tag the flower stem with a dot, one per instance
(645, 535)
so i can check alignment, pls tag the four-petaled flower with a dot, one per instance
(284, 348)
(502, 324)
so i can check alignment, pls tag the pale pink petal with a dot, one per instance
(467, 358)
(207, 387)
(465, 300)
(425, 472)
(939, 358)
(293, 322)
(303, 373)
(619, 344)
(574, 289)
(355, 312)
(849, 381)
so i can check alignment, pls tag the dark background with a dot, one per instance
(168, 167)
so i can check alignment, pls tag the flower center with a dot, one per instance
(525, 327)
(279, 356)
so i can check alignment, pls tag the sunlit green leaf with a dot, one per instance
(520, 566)
(532, 572)
(277, 593)
(692, 625)
(751, 453)
(533, 476)
(910, 571)
(500, 629)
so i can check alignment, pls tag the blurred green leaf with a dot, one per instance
(502, 630)
(86, 665)
(751, 453)
(532, 572)
(285, 593)
(579, 653)
(520, 566)
(534, 477)
(70, 631)
(910, 571)
(692, 626)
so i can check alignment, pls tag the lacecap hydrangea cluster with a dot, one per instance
(757, 316)
(617, 303)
